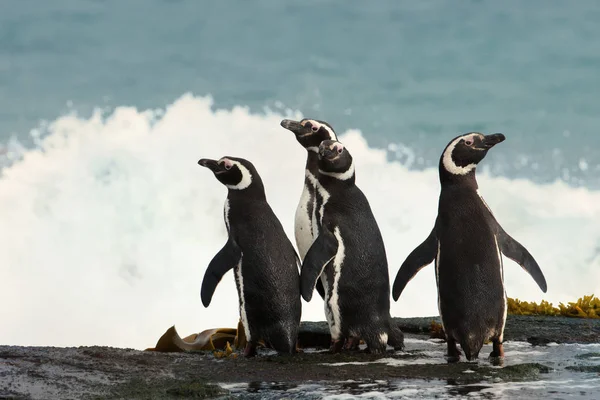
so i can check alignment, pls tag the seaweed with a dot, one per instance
(584, 307)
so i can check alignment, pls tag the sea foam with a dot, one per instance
(108, 224)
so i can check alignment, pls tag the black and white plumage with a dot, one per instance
(264, 261)
(350, 252)
(309, 133)
(466, 244)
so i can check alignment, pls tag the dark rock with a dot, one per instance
(314, 334)
(538, 330)
(109, 373)
(6, 395)
(139, 388)
(584, 368)
(538, 341)
(105, 372)
(524, 371)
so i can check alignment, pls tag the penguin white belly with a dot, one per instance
(333, 299)
(240, 284)
(303, 223)
(226, 214)
(501, 333)
(437, 280)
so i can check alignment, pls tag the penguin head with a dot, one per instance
(464, 152)
(335, 160)
(235, 173)
(310, 132)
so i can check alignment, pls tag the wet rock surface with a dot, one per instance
(533, 329)
(537, 330)
(111, 373)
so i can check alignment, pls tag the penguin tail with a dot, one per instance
(471, 344)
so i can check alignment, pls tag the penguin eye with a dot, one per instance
(314, 128)
(469, 142)
(340, 150)
(228, 166)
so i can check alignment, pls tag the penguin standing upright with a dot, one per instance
(466, 243)
(309, 133)
(264, 261)
(350, 252)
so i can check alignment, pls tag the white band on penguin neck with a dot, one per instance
(332, 135)
(448, 162)
(246, 175)
(343, 176)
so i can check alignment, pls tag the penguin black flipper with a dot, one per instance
(519, 254)
(320, 288)
(418, 259)
(227, 258)
(321, 253)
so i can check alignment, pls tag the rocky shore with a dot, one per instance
(112, 373)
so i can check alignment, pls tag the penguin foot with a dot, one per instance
(453, 352)
(352, 343)
(496, 361)
(250, 349)
(452, 359)
(497, 349)
(396, 339)
(497, 354)
(336, 345)
(399, 347)
(375, 350)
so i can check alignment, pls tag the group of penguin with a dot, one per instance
(342, 253)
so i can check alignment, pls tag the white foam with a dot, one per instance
(107, 229)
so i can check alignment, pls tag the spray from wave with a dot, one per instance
(108, 224)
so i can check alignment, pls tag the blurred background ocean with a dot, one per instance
(107, 223)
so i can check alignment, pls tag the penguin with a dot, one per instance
(309, 133)
(264, 261)
(350, 252)
(466, 243)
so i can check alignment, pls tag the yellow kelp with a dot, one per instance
(585, 307)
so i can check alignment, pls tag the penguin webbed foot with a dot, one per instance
(396, 339)
(377, 349)
(336, 345)
(250, 350)
(398, 347)
(497, 354)
(496, 361)
(352, 343)
(453, 352)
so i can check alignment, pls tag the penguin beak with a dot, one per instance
(296, 127)
(490, 141)
(213, 165)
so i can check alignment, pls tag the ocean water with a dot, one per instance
(107, 223)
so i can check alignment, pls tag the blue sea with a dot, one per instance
(107, 223)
